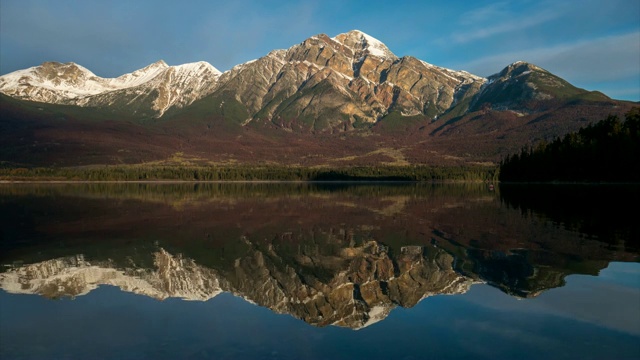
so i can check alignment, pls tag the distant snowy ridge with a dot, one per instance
(73, 84)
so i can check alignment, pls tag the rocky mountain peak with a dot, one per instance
(516, 69)
(362, 44)
(63, 71)
(158, 64)
(521, 86)
(152, 69)
(199, 67)
(52, 82)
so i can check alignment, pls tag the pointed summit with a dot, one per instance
(518, 68)
(198, 67)
(361, 42)
(160, 64)
(140, 76)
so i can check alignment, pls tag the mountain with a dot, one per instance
(337, 83)
(145, 92)
(288, 105)
(522, 86)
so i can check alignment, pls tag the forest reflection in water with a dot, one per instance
(330, 254)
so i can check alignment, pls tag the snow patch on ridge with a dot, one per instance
(456, 75)
(137, 77)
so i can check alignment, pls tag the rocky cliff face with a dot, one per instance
(340, 82)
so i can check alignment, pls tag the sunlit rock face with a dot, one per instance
(346, 79)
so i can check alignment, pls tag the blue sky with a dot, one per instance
(594, 44)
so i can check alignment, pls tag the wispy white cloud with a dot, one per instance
(494, 20)
(610, 64)
(602, 59)
(485, 14)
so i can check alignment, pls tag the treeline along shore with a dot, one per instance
(250, 173)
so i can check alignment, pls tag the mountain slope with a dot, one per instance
(524, 86)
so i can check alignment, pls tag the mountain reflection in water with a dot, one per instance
(329, 254)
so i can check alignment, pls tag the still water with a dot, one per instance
(319, 271)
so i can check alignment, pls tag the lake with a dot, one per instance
(319, 271)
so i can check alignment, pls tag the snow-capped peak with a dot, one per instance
(139, 76)
(359, 41)
(51, 70)
(69, 69)
(55, 80)
(158, 64)
(73, 84)
(200, 66)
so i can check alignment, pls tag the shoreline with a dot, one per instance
(229, 182)
(170, 181)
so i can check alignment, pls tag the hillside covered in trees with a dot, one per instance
(607, 151)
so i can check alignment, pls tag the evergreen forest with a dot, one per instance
(606, 151)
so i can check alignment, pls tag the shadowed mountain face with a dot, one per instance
(343, 100)
(329, 255)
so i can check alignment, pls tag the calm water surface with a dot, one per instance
(319, 271)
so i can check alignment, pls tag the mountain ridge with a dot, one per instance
(73, 84)
(289, 104)
(372, 79)
(358, 47)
